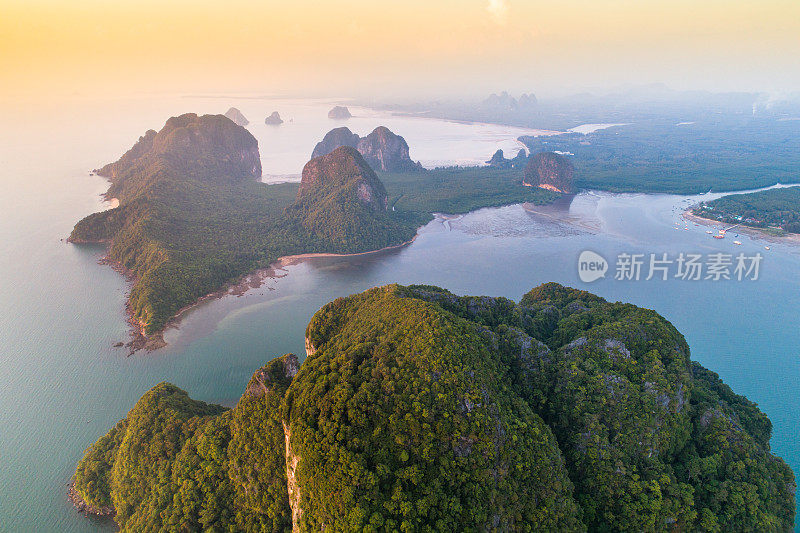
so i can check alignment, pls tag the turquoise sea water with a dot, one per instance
(62, 384)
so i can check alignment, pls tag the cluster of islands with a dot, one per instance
(414, 409)
(274, 119)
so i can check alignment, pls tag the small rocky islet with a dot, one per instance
(237, 117)
(339, 112)
(274, 119)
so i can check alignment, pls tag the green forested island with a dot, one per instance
(419, 410)
(192, 215)
(773, 208)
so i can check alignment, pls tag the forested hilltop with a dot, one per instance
(774, 208)
(192, 215)
(418, 410)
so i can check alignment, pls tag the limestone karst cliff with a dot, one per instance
(549, 170)
(274, 119)
(339, 113)
(382, 149)
(237, 116)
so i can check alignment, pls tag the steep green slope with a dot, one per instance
(418, 410)
(342, 206)
(403, 415)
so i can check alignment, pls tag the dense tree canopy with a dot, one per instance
(418, 410)
(774, 207)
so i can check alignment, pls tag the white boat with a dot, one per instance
(737, 243)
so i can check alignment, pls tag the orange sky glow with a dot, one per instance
(431, 47)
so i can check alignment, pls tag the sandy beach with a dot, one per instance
(253, 280)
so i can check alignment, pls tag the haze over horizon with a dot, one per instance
(412, 48)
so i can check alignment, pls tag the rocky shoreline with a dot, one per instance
(138, 339)
(83, 507)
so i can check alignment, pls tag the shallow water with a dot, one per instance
(62, 384)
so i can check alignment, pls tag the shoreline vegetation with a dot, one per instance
(82, 506)
(249, 281)
(760, 233)
(773, 213)
(193, 221)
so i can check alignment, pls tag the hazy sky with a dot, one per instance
(375, 47)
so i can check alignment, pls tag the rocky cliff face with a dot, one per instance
(550, 171)
(342, 206)
(382, 149)
(339, 113)
(386, 151)
(343, 174)
(237, 117)
(498, 160)
(209, 145)
(334, 139)
(274, 119)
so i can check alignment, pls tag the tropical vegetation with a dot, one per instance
(419, 410)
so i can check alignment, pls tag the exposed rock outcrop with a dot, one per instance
(209, 144)
(292, 460)
(339, 112)
(237, 116)
(549, 170)
(498, 160)
(334, 139)
(342, 173)
(274, 119)
(382, 149)
(86, 508)
(386, 151)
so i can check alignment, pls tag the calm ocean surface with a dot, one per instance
(63, 385)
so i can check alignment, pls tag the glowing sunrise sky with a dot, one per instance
(431, 47)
